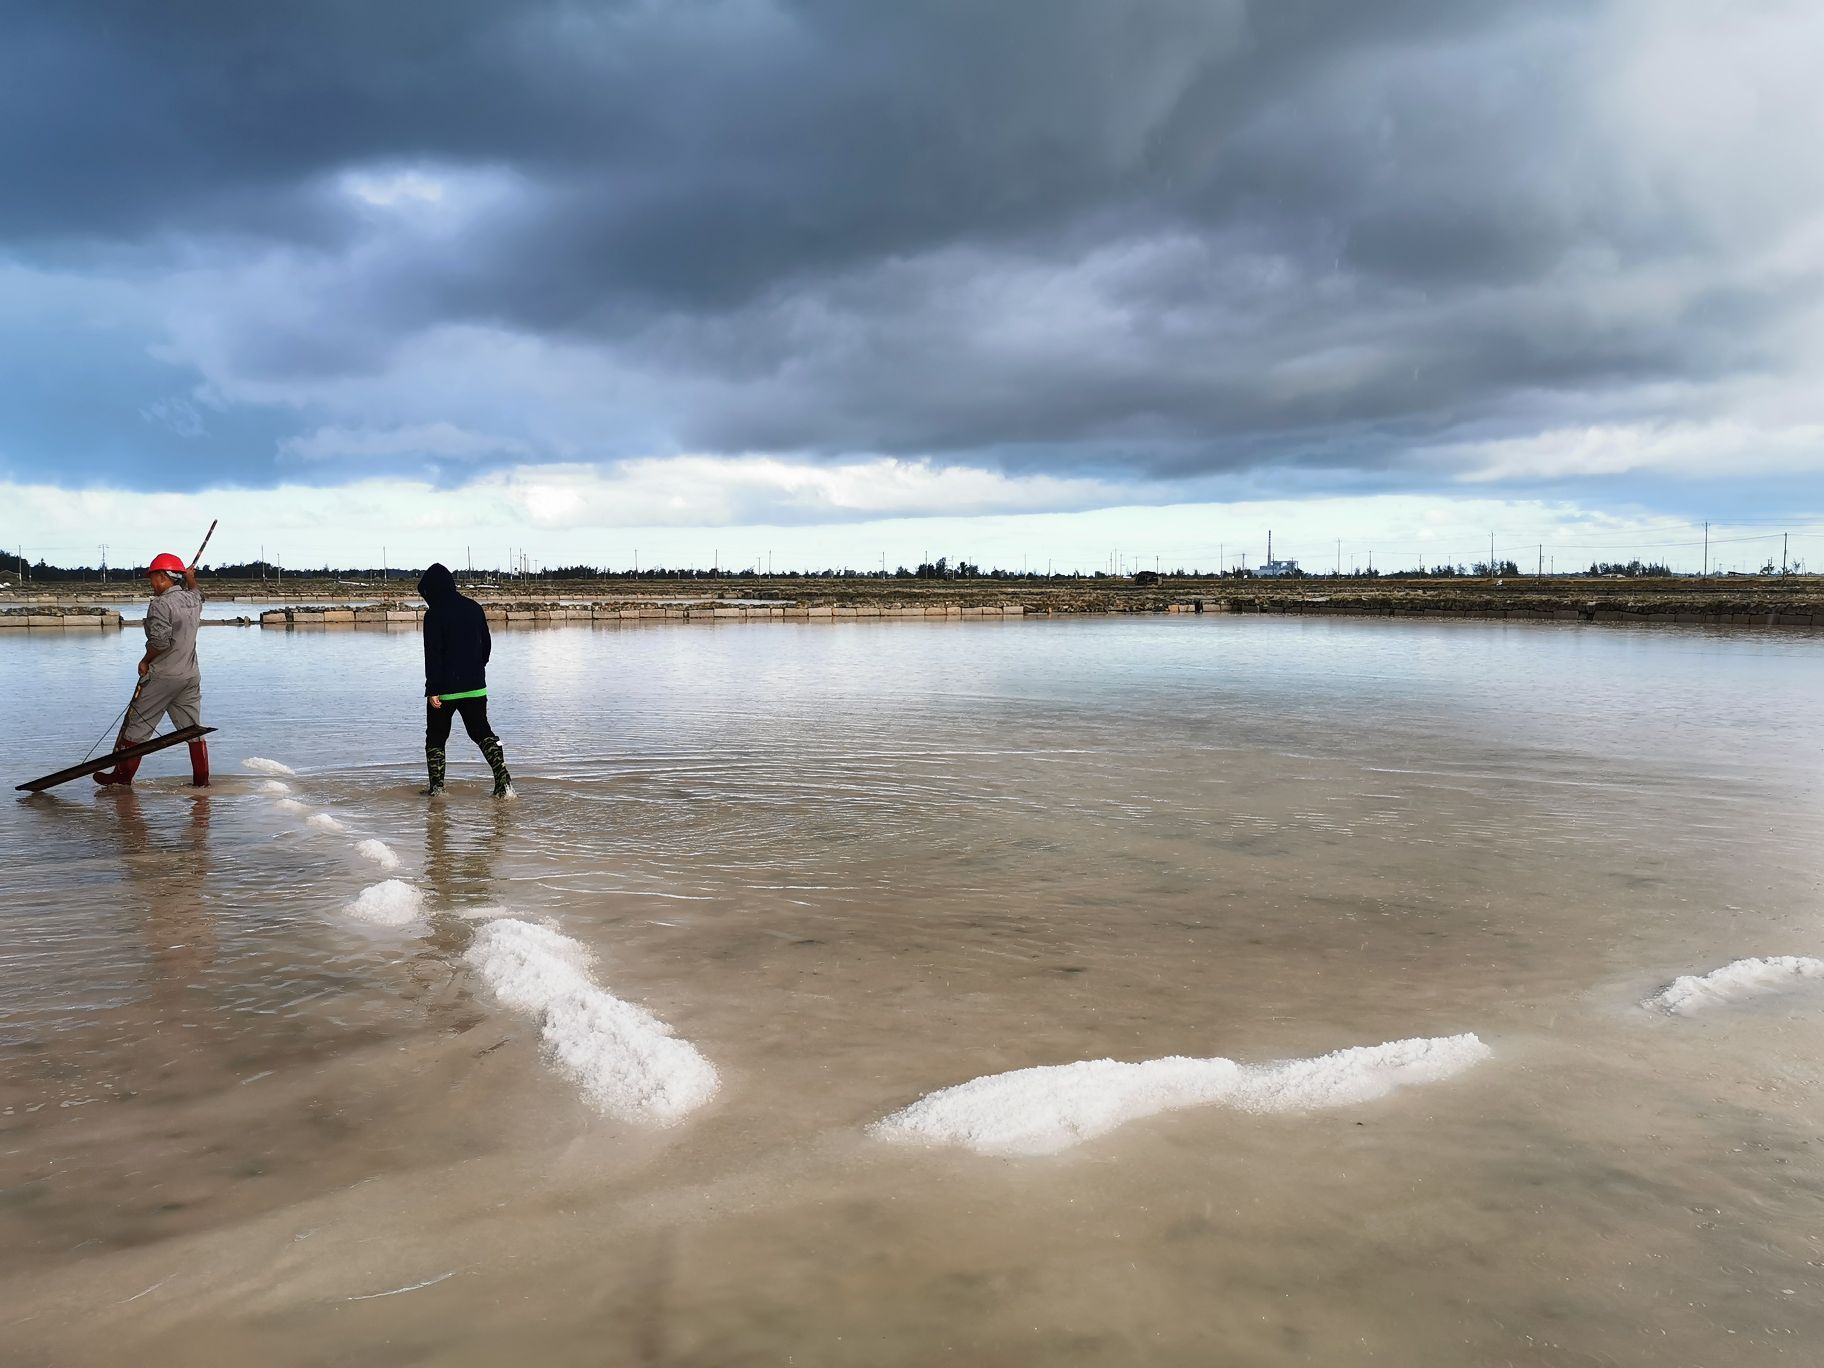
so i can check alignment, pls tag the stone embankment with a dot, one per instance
(1692, 607)
(1787, 601)
(50, 617)
(532, 614)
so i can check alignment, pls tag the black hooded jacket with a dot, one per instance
(456, 640)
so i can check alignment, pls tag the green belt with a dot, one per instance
(472, 693)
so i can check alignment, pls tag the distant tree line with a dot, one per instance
(13, 568)
(1632, 569)
(1479, 570)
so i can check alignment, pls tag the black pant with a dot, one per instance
(474, 719)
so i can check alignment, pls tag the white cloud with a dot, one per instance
(177, 413)
(389, 188)
(716, 490)
(1716, 110)
(1691, 449)
(438, 440)
(668, 512)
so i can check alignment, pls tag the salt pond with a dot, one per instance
(1310, 985)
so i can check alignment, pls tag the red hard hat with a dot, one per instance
(167, 562)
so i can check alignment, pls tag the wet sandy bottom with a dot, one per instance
(293, 1138)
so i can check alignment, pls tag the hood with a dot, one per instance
(438, 583)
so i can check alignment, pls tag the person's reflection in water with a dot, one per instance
(170, 876)
(460, 859)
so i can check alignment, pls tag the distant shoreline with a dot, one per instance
(1790, 601)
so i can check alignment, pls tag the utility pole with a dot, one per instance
(1706, 550)
(262, 562)
(104, 562)
(1783, 538)
(1491, 555)
(1339, 557)
(1540, 572)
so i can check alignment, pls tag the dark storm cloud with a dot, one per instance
(1176, 236)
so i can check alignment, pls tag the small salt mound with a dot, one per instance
(392, 903)
(261, 765)
(1045, 1110)
(626, 1060)
(1744, 978)
(324, 822)
(377, 851)
(290, 805)
(275, 786)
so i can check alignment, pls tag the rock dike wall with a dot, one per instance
(55, 618)
(1743, 613)
(534, 614)
(1731, 612)
(1782, 604)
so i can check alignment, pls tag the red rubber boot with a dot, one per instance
(122, 774)
(199, 763)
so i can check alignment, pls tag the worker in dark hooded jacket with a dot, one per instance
(456, 649)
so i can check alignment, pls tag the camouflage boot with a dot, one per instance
(497, 761)
(433, 759)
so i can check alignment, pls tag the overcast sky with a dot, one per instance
(838, 280)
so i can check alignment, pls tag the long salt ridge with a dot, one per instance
(1048, 1109)
(1739, 979)
(626, 1061)
(259, 764)
(377, 851)
(392, 902)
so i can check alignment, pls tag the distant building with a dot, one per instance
(1273, 569)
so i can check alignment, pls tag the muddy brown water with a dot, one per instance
(855, 863)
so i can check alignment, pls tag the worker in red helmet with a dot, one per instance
(170, 684)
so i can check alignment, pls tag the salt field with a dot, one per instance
(1257, 991)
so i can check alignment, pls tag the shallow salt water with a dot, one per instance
(599, 1075)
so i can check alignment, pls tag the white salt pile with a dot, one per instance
(290, 805)
(1743, 978)
(392, 903)
(626, 1060)
(275, 786)
(377, 851)
(324, 822)
(261, 765)
(1045, 1110)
